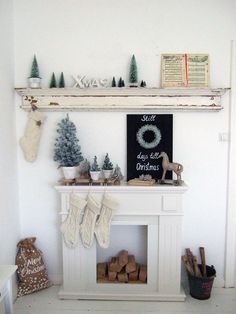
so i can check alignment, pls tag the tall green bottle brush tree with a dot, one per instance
(34, 80)
(133, 73)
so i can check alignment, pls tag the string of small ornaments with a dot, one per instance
(82, 81)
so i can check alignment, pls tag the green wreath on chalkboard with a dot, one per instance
(140, 136)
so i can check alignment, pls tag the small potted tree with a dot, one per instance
(67, 150)
(34, 80)
(95, 170)
(84, 169)
(107, 167)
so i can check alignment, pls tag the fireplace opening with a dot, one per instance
(125, 261)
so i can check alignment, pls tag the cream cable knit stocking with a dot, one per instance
(102, 228)
(89, 220)
(30, 141)
(71, 225)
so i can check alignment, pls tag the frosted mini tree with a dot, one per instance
(94, 166)
(67, 150)
(107, 164)
(133, 73)
(117, 174)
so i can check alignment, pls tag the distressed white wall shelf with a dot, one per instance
(121, 99)
(159, 208)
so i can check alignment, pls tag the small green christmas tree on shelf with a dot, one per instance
(34, 69)
(53, 82)
(107, 164)
(67, 150)
(120, 82)
(34, 81)
(62, 81)
(113, 83)
(133, 73)
(94, 166)
(143, 84)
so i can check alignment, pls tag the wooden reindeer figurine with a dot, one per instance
(170, 166)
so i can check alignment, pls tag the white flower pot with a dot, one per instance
(34, 82)
(107, 173)
(95, 175)
(69, 172)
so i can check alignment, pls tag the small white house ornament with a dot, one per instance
(84, 82)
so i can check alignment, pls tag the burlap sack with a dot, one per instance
(32, 274)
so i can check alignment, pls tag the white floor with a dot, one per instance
(222, 301)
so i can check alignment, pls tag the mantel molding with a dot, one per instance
(121, 99)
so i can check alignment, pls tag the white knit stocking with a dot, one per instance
(102, 228)
(71, 225)
(30, 141)
(89, 220)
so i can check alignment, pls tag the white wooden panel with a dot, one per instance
(171, 203)
(122, 99)
(169, 254)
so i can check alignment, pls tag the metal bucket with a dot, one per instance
(200, 287)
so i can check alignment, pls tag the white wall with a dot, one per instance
(9, 217)
(97, 38)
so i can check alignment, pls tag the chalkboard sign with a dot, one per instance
(147, 136)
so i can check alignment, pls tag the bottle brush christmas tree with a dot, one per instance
(34, 79)
(107, 164)
(133, 73)
(67, 150)
(94, 166)
(113, 83)
(34, 68)
(53, 82)
(62, 81)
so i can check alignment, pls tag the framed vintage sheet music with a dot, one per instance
(185, 70)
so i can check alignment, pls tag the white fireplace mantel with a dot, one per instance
(159, 208)
(122, 99)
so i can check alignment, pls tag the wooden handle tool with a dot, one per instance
(203, 261)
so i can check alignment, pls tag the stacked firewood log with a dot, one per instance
(191, 265)
(122, 268)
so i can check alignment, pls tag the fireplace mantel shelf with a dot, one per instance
(122, 99)
(124, 188)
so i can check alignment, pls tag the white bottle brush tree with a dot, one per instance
(67, 151)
